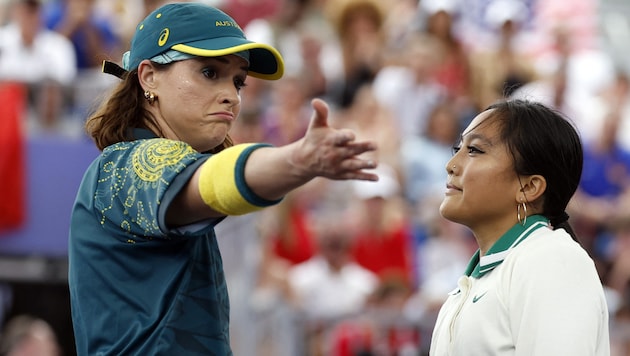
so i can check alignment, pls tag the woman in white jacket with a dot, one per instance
(530, 289)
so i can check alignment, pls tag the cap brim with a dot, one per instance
(265, 62)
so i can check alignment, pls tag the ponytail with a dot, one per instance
(562, 221)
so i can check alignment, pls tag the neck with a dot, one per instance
(487, 234)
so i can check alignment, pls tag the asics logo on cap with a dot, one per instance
(163, 37)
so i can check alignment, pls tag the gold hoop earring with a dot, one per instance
(522, 220)
(149, 96)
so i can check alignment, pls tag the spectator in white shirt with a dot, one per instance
(41, 59)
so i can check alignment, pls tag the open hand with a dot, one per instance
(332, 153)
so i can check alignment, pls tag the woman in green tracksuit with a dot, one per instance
(146, 275)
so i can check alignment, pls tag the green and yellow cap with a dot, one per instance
(196, 29)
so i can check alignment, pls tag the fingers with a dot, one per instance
(353, 149)
(343, 137)
(320, 114)
(320, 120)
(338, 149)
(356, 169)
(363, 175)
(348, 164)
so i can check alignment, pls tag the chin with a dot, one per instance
(447, 213)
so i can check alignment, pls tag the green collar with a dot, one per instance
(477, 267)
(140, 134)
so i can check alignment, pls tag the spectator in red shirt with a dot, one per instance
(383, 234)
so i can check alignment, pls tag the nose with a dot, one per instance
(229, 94)
(450, 167)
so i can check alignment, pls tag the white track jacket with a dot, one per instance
(535, 293)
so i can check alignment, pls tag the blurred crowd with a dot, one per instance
(361, 268)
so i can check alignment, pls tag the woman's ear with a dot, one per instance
(532, 187)
(146, 75)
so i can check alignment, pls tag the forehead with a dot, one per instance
(482, 126)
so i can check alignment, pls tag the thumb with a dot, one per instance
(320, 116)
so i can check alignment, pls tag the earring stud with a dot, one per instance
(149, 96)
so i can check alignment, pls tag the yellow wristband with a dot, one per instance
(222, 182)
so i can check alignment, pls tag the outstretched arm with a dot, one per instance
(272, 172)
(322, 152)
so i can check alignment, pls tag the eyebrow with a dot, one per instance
(472, 136)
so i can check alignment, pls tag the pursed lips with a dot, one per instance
(225, 115)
